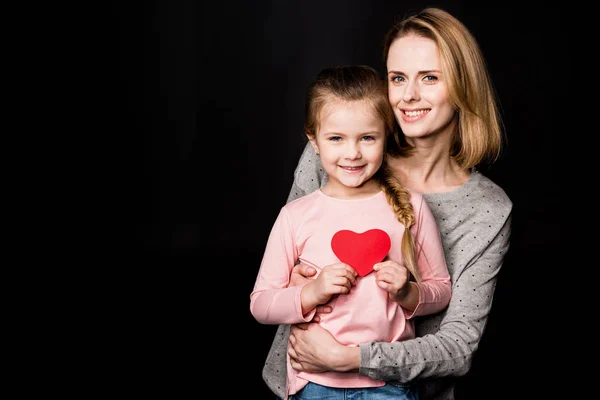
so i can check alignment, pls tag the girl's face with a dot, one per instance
(417, 89)
(351, 142)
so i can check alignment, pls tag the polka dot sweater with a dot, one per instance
(474, 221)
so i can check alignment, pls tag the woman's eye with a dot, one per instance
(397, 79)
(430, 78)
(368, 138)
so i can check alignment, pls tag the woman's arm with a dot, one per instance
(448, 352)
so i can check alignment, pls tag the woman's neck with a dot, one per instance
(428, 171)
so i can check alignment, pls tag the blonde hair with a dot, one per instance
(363, 83)
(479, 132)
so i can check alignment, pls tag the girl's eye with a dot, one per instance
(335, 138)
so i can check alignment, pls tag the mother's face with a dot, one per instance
(418, 90)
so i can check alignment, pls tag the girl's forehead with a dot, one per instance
(335, 104)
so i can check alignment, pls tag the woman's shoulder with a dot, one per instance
(309, 173)
(489, 192)
(479, 194)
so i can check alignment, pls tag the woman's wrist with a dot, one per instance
(347, 358)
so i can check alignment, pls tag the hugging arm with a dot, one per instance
(449, 351)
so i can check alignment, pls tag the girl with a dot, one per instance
(348, 122)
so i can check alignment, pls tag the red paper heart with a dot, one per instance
(361, 250)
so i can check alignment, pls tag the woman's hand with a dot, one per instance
(313, 349)
(301, 274)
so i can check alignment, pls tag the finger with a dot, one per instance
(343, 276)
(295, 365)
(351, 270)
(386, 275)
(324, 309)
(387, 263)
(342, 281)
(342, 287)
(306, 270)
(383, 284)
(336, 290)
(292, 352)
(346, 274)
(351, 276)
(382, 267)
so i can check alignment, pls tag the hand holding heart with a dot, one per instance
(365, 252)
(393, 278)
(333, 280)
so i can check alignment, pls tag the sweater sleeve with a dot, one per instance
(449, 351)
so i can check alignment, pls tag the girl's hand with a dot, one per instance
(334, 279)
(393, 278)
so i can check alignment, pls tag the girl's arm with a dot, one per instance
(435, 288)
(272, 300)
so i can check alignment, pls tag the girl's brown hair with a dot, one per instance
(363, 83)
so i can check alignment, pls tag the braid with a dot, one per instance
(399, 198)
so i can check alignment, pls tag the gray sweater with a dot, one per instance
(474, 222)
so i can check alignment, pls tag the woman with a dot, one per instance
(444, 103)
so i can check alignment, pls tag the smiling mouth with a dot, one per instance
(415, 113)
(352, 168)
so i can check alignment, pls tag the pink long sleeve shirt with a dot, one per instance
(303, 231)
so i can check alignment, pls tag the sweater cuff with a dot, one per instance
(309, 315)
(410, 314)
(365, 356)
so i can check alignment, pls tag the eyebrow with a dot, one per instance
(428, 71)
(345, 134)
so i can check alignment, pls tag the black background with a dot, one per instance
(207, 99)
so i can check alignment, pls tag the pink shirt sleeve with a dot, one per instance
(272, 301)
(435, 286)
